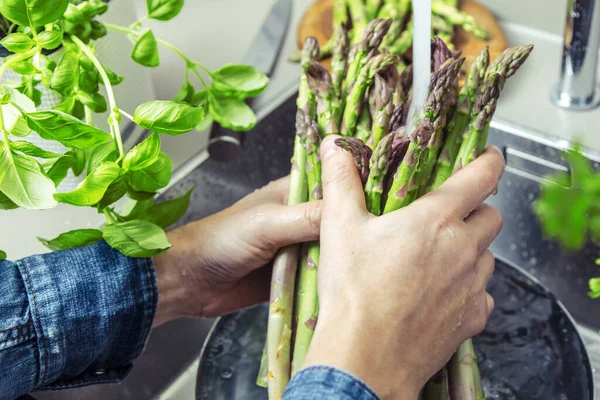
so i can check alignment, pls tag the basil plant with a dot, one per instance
(29, 175)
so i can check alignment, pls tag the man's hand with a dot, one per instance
(215, 264)
(400, 292)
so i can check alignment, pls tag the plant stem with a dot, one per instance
(126, 114)
(88, 115)
(16, 58)
(3, 129)
(115, 116)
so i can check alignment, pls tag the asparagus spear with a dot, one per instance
(457, 17)
(388, 152)
(397, 11)
(440, 53)
(392, 78)
(363, 127)
(380, 103)
(460, 374)
(436, 108)
(339, 61)
(460, 119)
(307, 101)
(437, 387)
(371, 39)
(485, 103)
(406, 81)
(397, 118)
(358, 15)
(355, 100)
(444, 29)
(321, 85)
(307, 302)
(372, 8)
(404, 41)
(404, 176)
(360, 152)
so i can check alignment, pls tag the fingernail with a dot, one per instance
(328, 148)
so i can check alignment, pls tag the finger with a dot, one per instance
(342, 188)
(274, 192)
(284, 225)
(468, 188)
(490, 304)
(484, 224)
(485, 269)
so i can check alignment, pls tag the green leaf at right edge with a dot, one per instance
(136, 238)
(23, 181)
(2, 255)
(231, 113)
(143, 154)
(168, 117)
(73, 239)
(163, 10)
(33, 12)
(93, 188)
(240, 81)
(169, 212)
(68, 130)
(153, 177)
(145, 50)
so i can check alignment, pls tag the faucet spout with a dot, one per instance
(577, 87)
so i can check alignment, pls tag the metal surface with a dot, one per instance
(541, 338)
(224, 144)
(577, 88)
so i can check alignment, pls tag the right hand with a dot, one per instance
(400, 292)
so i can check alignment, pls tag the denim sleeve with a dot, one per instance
(323, 382)
(72, 318)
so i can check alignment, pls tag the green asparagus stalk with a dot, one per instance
(381, 107)
(392, 78)
(457, 17)
(404, 176)
(363, 127)
(397, 11)
(372, 8)
(437, 387)
(339, 61)
(371, 38)
(444, 29)
(388, 152)
(460, 374)
(404, 41)
(307, 301)
(460, 119)
(355, 100)
(321, 85)
(406, 81)
(361, 154)
(440, 53)
(307, 101)
(436, 106)
(485, 103)
(479, 392)
(436, 113)
(358, 14)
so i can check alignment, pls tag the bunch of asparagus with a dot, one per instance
(366, 99)
(356, 14)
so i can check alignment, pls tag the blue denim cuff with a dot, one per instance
(323, 382)
(92, 310)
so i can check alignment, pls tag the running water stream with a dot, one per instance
(421, 59)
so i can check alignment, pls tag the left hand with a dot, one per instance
(215, 264)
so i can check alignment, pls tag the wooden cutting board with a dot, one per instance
(317, 22)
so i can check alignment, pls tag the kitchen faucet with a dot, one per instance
(577, 88)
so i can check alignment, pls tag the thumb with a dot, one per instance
(342, 187)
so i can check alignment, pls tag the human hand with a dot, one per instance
(400, 292)
(214, 266)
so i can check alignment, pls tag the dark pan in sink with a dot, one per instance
(529, 350)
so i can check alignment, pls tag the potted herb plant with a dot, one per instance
(29, 174)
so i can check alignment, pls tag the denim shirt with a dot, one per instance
(79, 317)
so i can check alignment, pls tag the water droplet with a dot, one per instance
(533, 261)
(513, 246)
(530, 196)
(227, 372)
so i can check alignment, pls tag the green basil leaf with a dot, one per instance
(23, 181)
(58, 171)
(113, 78)
(74, 14)
(153, 177)
(92, 189)
(136, 238)
(46, 77)
(65, 77)
(95, 102)
(2, 255)
(102, 153)
(169, 212)
(140, 208)
(99, 6)
(6, 203)
(115, 191)
(71, 132)
(200, 98)
(23, 67)
(33, 12)
(32, 150)
(139, 195)
(73, 239)
(185, 94)
(239, 80)
(28, 88)
(14, 122)
(163, 10)
(17, 42)
(205, 123)
(232, 113)
(167, 117)
(66, 105)
(98, 30)
(50, 39)
(80, 161)
(143, 154)
(88, 81)
(145, 50)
